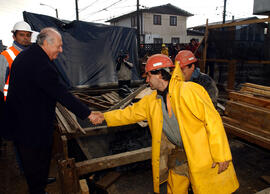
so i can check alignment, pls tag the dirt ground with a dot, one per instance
(251, 163)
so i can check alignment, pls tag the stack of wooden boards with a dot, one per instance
(247, 114)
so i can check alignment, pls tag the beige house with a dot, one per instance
(160, 24)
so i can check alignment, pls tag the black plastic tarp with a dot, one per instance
(89, 49)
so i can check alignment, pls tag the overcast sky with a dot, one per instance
(101, 10)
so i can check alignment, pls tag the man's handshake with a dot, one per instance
(96, 117)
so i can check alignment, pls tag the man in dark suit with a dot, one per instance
(33, 92)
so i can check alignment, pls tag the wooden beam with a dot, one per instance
(244, 62)
(64, 122)
(231, 74)
(246, 126)
(256, 91)
(266, 88)
(250, 137)
(250, 99)
(84, 187)
(69, 180)
(205, 48)
(239, 23)
(65, 146)
(113, 161)
(251, 114)
(128, 99)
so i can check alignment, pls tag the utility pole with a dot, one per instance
(138, 24)
(77, 10)
(224, 11)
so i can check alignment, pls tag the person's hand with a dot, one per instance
(222, 166)
(96, 117)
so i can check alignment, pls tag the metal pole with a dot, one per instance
(77, 11)
(138, 25)
(56, 11)
(224, 11)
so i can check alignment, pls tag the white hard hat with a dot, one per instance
(22, 26)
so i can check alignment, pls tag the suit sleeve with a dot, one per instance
(203, 108)
(47, 79)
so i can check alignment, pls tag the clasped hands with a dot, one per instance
(96, 117)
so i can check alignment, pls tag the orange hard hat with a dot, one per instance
(185, 57)
(158, 61)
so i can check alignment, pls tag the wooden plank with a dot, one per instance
(205, 48)
(84, 187)
(91, 102)
(128, 99)
(115, 96)
(240, 23)
(70, 118)
(108, 179)
(246, 126)
(113, 161)
(267, 88)
(251, 114)
(256, 91)
(65, 146)
(61, 128)
(231, 74)
(244, 62)
(105, 96)
(64, 122)
(69, 181)
(248, 98)
(100, 101)
(250, 137)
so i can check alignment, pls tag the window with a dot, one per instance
(158, 40)
(157, 19)
(175, 40)
(133, 21)
(173, 21)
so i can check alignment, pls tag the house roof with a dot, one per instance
(194, 33)
(220, 22)
(162, 9)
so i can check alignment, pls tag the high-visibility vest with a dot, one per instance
(10, 54)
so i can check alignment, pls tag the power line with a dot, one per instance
(88, 6)
(104, 9)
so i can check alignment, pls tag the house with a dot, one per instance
(160, 24)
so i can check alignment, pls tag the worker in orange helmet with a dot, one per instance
(188, 64)
(188, 136)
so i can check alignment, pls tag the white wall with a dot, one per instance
(164, 31)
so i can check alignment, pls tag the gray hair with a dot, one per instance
(47, 34)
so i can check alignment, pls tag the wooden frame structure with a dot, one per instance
(69, 128)
(231, 63)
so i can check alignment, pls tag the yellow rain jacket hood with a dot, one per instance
(201, 129)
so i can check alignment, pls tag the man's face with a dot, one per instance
(153, 80)
(54, 48)
(187, 71)
(23, 37)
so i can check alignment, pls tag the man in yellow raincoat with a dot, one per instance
(181, 115)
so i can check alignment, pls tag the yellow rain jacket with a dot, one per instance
(201, 129)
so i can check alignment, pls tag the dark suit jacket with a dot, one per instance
(34, 89)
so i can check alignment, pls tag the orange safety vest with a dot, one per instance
(10, 54)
